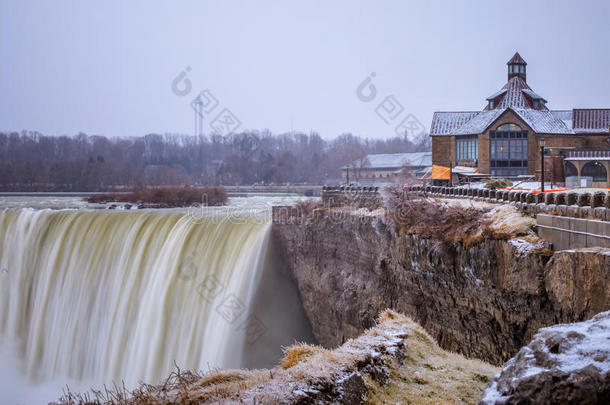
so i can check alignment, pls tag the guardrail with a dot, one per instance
(570, 204)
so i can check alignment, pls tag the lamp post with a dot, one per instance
(541, 143)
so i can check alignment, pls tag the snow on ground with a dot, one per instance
(563, 348)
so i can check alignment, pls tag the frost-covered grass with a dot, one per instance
(431, 375)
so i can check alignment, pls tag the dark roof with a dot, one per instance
(533, 95)
(513, 95)
(516, 59)
(591, 120)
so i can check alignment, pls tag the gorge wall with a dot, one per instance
(485, 300)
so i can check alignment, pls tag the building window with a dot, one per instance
(536, 104)
(595, 170)
(467, 150)
(508, 151)
(491, 104)
(509, 127)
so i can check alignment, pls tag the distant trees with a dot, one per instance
(30, 161)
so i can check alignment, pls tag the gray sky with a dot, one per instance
(107, 67)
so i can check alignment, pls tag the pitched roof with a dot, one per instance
(394, 160)
(479, 123)
(444, 123)
(543, 121)
(496, 94)
(514, 97)
(591, 120)
(533, 95)
(517, 95)
(516, 59)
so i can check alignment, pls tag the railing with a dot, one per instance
(571, 204)
(588, 153)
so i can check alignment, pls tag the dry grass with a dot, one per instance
(430, 375)
(169, 196)
(453, 221)
(295, 354)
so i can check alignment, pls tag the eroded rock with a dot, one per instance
(485, 300)
(563, 364)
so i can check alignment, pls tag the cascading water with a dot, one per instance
(108, 296)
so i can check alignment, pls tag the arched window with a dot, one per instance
(595, 170)
(571, 169)
(509, 127)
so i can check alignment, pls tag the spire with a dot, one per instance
(516, 67)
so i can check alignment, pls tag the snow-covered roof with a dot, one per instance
(594, 120)
(517, 96)
(444, 123)
(496, 94)
(394, 160)
(479, 123)
(514, 96)
(533, 95)
(543, 121)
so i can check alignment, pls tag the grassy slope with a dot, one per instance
(430, 375)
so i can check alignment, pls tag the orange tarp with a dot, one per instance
(440, 172)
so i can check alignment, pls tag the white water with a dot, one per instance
(99, 296)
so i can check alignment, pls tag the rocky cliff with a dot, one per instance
(484, 299)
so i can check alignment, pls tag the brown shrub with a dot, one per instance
(431, 219)
(169, 196)
(294, 354)
(306, 207)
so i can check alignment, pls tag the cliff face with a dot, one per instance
(486, 300)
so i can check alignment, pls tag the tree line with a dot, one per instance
(30, 161)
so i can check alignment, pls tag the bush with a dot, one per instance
(561, 199)
(165, 197)
(549, 198)
(430, 219)
(498, 183)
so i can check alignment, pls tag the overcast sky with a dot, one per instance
(107, 67)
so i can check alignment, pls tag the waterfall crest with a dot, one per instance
(110, 296)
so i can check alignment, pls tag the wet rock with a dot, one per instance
(486, 300)
(563, 364)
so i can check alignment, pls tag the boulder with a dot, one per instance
(563, 364)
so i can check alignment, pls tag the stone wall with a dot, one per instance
(573, 233)
(352, 196)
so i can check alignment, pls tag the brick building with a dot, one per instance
(503, 139)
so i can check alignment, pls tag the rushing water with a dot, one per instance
(102, 296)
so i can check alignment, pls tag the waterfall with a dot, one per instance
(109, 296)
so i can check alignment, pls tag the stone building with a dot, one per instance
(505, 138)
